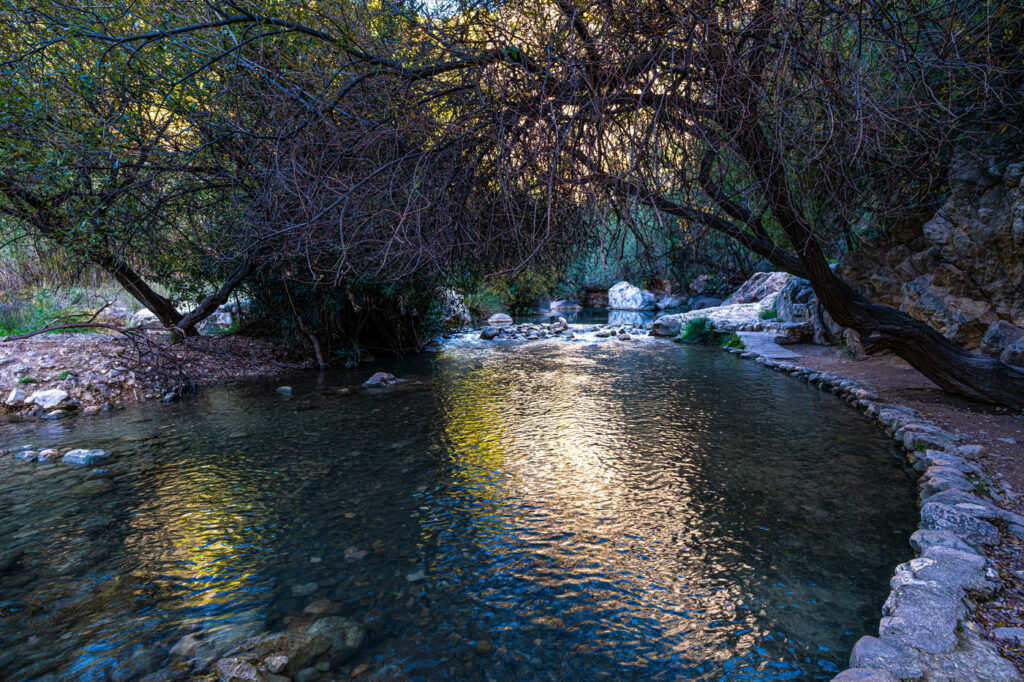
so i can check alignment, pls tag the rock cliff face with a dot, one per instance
(964, 269)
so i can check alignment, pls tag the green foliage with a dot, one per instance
(484, 302)
(701, 331)
(769, 314)
(734, 341)
(518, 293)
(64, 375)
(28, 313)
(346, 319)
(27, 380)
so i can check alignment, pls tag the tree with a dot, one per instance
(776, 124)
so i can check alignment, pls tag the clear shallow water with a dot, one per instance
(564, 511)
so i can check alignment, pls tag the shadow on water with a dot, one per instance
(554, 511)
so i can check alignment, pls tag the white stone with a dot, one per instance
(48, 399)
(145, 317)
(499, 320)
(625, 296)
(85, 457)
(15, 397)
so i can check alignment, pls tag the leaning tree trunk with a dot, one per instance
(947, 364)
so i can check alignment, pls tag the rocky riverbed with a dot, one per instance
(52, 376)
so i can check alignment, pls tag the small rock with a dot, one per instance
(1015, 635)
(231, 669)
(414, 577)
(489, 333)
(344, 635)
(307, 675)
(15, 397)
(186, 646)
(276, 662)
(85, 457)
(27, 455)
(499, 320)
(380, 379)
(284, 390)
(304, 589)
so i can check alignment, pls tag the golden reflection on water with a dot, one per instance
(570, 448)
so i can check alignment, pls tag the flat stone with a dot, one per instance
(85, 457)
(1009, 634)
(971, 451)
(922, 539)
(284, 390)
(345, 635)
(763, 344)
(922, 617)
(499, 320)
(48, 399)
(872, 652)
(232, 669)
(959, 520)
(865, 675)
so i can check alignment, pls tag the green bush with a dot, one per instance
(769, 314)
(701, 331)
(484, 302)
(734, 341)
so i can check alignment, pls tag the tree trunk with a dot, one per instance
(948, 365)
(160, 306)
(952, 368)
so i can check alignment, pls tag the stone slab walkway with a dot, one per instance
(762, 343)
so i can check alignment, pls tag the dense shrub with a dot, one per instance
(701, 331)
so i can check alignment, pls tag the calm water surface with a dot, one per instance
(617, 510)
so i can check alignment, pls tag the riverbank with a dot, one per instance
(56, 375)
(968, 577)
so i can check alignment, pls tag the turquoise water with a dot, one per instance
(622, 510)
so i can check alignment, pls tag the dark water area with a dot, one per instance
(560, 510)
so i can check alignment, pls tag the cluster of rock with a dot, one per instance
(500, 325)
(75, 456)
(224, 318)
(963, 271)
(927, 631)
(53, 380)
(315, 641)
(501, 328)
(625, 296)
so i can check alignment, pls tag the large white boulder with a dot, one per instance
(218, 322)
(625, 296)
(761, 284)
(144, 317)
(499, 320)
(454, 311)
(733, 318)
(48, 399)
